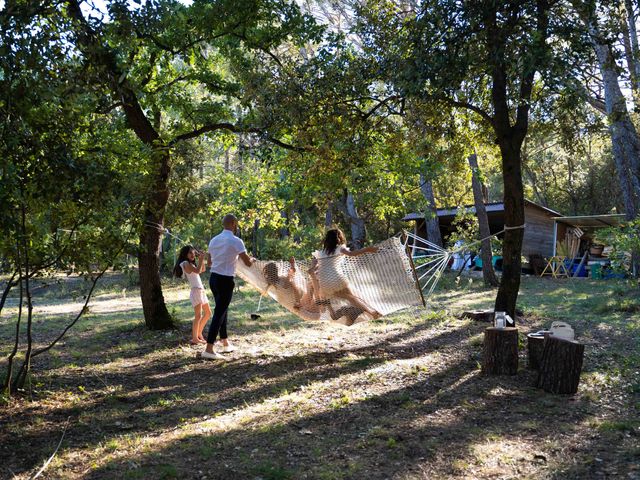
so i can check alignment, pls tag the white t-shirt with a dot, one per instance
(194, 278)
(224, 250)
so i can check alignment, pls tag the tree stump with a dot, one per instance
(560, 365)
(500, 356)
(479, 315)
(535, 344)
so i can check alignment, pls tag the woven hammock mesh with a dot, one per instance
(341, 288)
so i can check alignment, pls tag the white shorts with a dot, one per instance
(198, 296)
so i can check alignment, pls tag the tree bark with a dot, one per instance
(560, 366)
(510, 138)
(254, 238)
(7, 384)
(488, 275)
(535, 346)
(328, 215)
(358, 230)
(513, 217)
(632, 52)
(156, 315)
(432, 222)
(624, 136)
(500, 355)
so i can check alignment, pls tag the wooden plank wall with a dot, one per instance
(538, 233)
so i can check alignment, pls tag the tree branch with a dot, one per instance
(179, 78)
(82, 311)
(287, 146)
(212, 128)
(474, 108)
(235, 129)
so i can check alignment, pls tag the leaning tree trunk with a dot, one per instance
(488, 274)
(513, 217)
(624, 137)
(632, 53)
(432, 222)
(358, 230)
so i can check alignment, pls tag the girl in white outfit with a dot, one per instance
(327, 268)
(192, 263)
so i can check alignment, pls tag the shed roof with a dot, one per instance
(491, 207)
(592, 221)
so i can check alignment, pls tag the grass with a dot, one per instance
(400, 397)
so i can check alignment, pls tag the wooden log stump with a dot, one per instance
(500, 356)
(560, 365)
(479, 315)
(535, 345)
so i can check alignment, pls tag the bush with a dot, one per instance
(623, 240)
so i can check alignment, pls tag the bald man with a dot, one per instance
(224, 251)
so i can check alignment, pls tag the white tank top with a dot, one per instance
(194, 278)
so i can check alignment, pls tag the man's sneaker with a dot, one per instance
(211, 356)
(228, 349)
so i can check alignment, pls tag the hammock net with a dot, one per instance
(347, 289)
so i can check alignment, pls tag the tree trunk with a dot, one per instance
(7, 384)
(432, 222)
(358, 231)
(510, 137)
(254, 238)
(624, 137)
(500, 356)
(156, 315)
(488, 275)
(560, 366)
(328, 215)
(513, 217)
(630, 34)
(25, 368)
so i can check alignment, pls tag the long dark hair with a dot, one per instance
(182, 256)
(271, 274)
(332, 239)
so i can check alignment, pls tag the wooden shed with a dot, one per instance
(538, 231)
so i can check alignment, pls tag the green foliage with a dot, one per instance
(624, 241)
(466, 227)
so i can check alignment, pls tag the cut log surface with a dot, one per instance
(500, 356)
(560, 366)
(535, 345)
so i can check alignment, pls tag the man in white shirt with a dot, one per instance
(224, 251)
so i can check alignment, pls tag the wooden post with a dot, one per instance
(409, 253)
(500, 356)
(560, 365)
(535, 344)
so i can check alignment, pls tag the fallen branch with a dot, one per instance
(46, 464)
